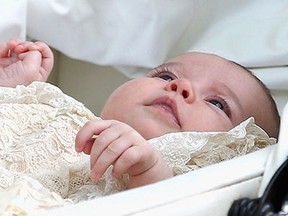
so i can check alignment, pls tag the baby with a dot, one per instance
(192, 92)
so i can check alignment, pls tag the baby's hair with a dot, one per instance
(268, 93)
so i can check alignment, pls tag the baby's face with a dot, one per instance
(192, 92)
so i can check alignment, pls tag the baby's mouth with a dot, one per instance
(167, 107)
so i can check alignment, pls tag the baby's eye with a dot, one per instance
(163, 72)
(166, 77)
(217, 104)
(222, 105)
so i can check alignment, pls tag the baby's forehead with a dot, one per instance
(206, 64)
(202, 57)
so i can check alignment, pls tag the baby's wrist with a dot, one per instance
(158, 172)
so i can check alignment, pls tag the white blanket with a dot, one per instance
(131, 35)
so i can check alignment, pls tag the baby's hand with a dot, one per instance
(24, 62)
(120, 145)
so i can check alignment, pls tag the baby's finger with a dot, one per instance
(47, 58)
(25, 46)
(85, 134)
(44, 49)
(104, 139)
(30, 60)
(108, 157)
(88, 146)
(127, 160)
(11, 44)
(137, 159)
(4, 50)
(7, 49)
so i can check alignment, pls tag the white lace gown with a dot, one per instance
(40, 170)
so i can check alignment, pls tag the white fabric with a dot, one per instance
(13, 19)
(131, 35)
(142, 34)
(276, 79)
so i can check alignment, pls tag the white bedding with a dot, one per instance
(139, 35)
(135, 35)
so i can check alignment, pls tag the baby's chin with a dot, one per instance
(151, 131)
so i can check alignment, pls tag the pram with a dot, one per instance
(229, 31)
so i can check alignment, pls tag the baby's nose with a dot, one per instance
(182, 87)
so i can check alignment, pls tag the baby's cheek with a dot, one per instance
(207, 122)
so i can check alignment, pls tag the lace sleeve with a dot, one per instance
(38, 125)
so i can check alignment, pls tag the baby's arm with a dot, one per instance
(119, 145)
(24, 62)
